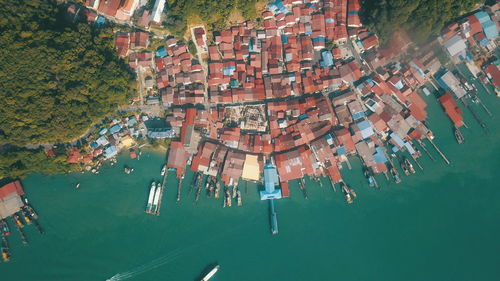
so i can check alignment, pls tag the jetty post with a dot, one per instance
(270, 193)
(439, 151)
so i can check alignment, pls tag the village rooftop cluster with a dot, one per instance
(303, 90)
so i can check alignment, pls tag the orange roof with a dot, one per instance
(11, 187)
(451, 108)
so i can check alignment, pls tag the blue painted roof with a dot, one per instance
(326, 58)
(370, 82)
(234, 83)
(419, 70)
(284, 39)
(278, 7)
(358, 115)
(270, 177)
(110, 151)
(410, 148)
(366, 129)
(161, 52)
(303, 116)
(229, 70)
(115, 128)
(103, 131)
(341, 150)
(352, 12)
(379, 156)
(364, 125)
(397, 139)
(100, 20)
(318, 39)
(490, 29)
(482, 16)
(131, 121)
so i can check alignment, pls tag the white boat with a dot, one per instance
(211, 273)
(78, 185)
(156, 199)
(163, 170)
(151, 196)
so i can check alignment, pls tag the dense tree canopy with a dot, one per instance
(421, 18)
(20, 162)
(56, 77)
(213, 12)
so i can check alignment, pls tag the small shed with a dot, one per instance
(10, 199)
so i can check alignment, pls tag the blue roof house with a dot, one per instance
(161, 52)
(270, 182)
(490, 29)
(102, 140)
(116, 128)
(277, 7)
(379, 155)
(326, 59)
(229, 70)
(110, 151)
(366, 129)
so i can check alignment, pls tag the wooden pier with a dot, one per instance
(179, 188)
(439, 151)
(474, 114)
(422, 145)
(21, 233)
(162, 189)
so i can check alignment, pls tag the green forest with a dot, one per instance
(56, 77)
(20, 162)
(213, 12)
(421, 18)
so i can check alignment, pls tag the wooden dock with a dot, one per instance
(162, 189)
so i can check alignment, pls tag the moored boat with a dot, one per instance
(5, 254)
(302, 186)
(26, 216)
(458, 135)
(352, 192)
(211, 273)
(217, 190)
(156, 199)
(409, 165)
(395, 175)
(150, 198)
(163, 170)
(405, 167)
(369, 177)
(4, 227)
(18, 220)
(346, 192)
(238, 196)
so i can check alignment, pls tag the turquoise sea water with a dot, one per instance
(440, 224)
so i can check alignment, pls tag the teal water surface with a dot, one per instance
(440, 224)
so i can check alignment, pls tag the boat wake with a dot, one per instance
(172, 256)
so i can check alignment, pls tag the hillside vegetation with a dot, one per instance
(421, 18)
(56, 77)
(214, 13)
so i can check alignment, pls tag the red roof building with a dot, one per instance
(494, 74)
(122, 41)
(109, 7)
(177, 158)
(12, 187)
(451, 108)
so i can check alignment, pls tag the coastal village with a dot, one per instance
(296, 94)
